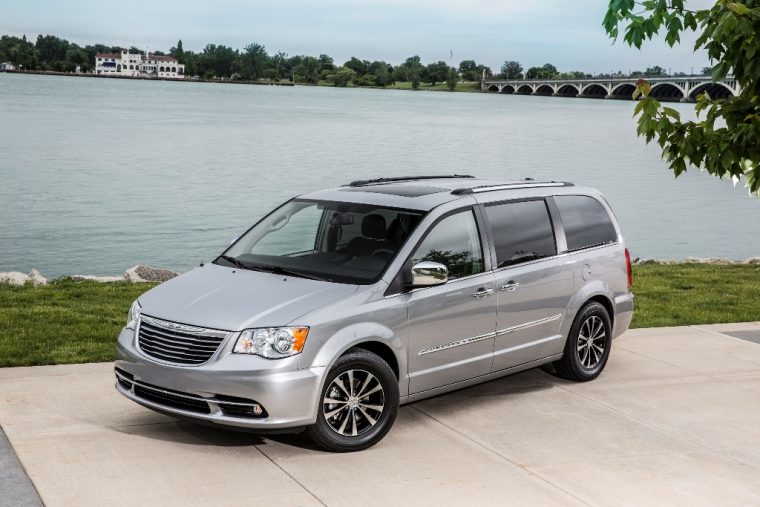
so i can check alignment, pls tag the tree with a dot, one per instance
(358, 66)
(723, 142)
(655, 71)
(308, 69)
(512, 70)
(706, 71)
(437, 72)
(547, 71)
(483, 69)
(342, 76)
(469, 70)
(253, 61)
(452, 79)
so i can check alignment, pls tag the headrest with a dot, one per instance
(373, 226)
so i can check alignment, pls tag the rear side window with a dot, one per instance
(585, 220)
(521, 231)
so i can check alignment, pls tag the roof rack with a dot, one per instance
(510, 186)
(361, 183)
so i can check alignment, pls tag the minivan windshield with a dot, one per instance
(324, 240)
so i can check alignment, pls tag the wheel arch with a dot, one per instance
(372, 337)
(595, 290)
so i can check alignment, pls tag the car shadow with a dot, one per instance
(193, 432)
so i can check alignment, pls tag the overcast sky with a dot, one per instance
(567, 33)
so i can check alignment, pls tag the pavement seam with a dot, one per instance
(739, 340)
(15, 462)
(291, 476)
(505, 458)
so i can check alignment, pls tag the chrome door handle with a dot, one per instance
(510, 286)
(481, 293)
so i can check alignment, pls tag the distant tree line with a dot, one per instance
(254, 62)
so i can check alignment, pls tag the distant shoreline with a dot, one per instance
(138, 78)
(464, 86)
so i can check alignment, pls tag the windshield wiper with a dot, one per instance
(234, 261)
(279, 270)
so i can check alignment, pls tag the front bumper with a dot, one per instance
(288, 395)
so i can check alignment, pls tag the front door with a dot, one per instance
(451, 326)
(533, 285)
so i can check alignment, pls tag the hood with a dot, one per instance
(232, 299)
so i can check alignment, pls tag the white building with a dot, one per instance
(138, 65)
(7, 66)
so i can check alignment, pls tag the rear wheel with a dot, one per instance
(588, 345)
(358, 403)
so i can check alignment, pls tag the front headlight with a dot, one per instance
(134, 316)
(272, 342)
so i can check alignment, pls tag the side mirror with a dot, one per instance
(427, 274)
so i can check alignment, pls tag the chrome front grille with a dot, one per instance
(178, 343)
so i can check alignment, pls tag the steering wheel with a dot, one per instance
(383, 252)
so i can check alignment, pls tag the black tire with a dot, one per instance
(332, 433)
(583, 362)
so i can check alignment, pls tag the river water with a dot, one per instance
(97, 175)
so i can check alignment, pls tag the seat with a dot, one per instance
(372, 238)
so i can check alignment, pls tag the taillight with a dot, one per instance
(628, 268)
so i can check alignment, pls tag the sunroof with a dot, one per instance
(400, 190)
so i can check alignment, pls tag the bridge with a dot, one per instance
(683, 89)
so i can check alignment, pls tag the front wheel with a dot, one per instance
(588, 345)
(358, 403)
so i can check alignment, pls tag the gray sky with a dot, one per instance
(567, 33)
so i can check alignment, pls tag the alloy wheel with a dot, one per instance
(592, 338)
(353, 402)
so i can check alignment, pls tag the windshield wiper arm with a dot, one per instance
(279, 270)
(234, 261)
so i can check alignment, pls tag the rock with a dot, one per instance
(646, 261)
(142, 273)
(13, 278)
(36, 278)
(710, 260)
(102, 279)
(751, 260)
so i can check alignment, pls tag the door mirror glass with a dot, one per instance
(427, 274)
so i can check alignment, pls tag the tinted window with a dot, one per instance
(585, 220)
(521, 231)
(455, 243)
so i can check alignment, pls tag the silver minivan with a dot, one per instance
(343, 304)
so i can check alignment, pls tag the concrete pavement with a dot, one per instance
(674, 420)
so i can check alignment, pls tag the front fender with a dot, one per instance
(357, 334)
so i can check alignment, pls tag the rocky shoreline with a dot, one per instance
(135, 274)
(142, 274)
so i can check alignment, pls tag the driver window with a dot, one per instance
(290, 235)
(455, 243)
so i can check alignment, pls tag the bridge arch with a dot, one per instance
(594, 91)
(714, 90)
(544, 89)
(568, 90)
(525, 89)
(667, 91)
(623, 91)
(507, 88)
(493, 88)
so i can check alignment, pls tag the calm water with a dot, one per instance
(97, 175)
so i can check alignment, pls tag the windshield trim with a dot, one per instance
(345, 280)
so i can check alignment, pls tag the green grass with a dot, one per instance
(64, 322)
(683, 294)
(77, 322)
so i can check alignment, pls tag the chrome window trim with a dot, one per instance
(485, 336)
